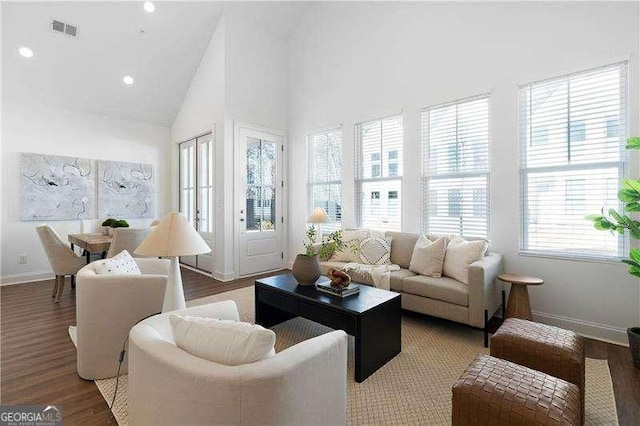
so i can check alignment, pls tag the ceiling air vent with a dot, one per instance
(64, 28)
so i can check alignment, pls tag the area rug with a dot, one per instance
(414, 387)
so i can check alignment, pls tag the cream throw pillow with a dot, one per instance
(222, 341)
(460, 254)
(351, 252)
(428, 257)
(375, 251)
(120, 264)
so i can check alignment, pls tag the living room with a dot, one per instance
(375, 85)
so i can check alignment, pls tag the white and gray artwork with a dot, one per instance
(125, 190)
(56, 188)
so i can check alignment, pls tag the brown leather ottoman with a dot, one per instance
(542, 347)
(493, 391)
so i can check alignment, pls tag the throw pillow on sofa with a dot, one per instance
(351, 240)
(428, 257)
(120, 264)
(375, 251)
(459, 255)
(222, 341)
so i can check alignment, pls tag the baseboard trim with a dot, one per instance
(592, 330)
(223, 276)
(27, 278)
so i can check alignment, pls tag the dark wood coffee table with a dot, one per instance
(372, 316)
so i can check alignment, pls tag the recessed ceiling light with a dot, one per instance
(149, 6)
(128, 80)
(26, 52)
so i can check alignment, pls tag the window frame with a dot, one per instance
(454, 170)
(334, 225)
(360, 180)
(622, 165)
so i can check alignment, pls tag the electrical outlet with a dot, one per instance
(22, 259)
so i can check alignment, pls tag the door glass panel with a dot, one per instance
(205, 184)
(254, 216)
(187, 180)
(261, 181)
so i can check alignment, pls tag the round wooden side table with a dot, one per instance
(518, 305)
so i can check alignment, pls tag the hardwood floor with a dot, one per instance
(38, 364)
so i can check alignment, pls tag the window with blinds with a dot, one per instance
(455, 168)
(378, 173)
(572, 158)
(325, 170)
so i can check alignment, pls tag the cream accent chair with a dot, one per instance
(107, 306)
(62, 259)
(127, 239)
(304, 384)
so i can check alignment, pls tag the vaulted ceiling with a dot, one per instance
(160, 50)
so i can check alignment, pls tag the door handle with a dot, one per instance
(242, 219)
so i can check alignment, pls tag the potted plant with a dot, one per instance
(306, 268)
(619, 221)
(110, 224)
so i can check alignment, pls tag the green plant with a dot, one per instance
(329, 244)
(115, 223)
(109, 222)
(121, 224)
(619, 221)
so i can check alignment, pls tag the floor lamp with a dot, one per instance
(174, 236)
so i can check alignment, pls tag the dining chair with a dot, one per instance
(62, 259)
(127, 239)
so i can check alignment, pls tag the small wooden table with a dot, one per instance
(91, 243)
(518, 305)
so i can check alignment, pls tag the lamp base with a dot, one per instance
(174, 293)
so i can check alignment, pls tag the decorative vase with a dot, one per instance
(111, 230)
(105, 230)
(306, 270)
(634, 344)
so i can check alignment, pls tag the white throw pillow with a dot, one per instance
(350, 252)
(428, 257)
(460, 254)
(222, 341)
(375, 251)
(120, 264)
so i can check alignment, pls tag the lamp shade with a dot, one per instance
(173, 236)
(318, 215)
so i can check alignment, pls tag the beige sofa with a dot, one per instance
(473, 304)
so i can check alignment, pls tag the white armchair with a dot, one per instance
(304, 384)
(107, 306)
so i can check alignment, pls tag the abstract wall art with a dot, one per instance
(125, 190)
(56, 188)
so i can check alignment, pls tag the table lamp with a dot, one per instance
(174, 236)
(317, 217)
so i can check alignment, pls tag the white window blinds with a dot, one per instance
(572, 159)
(325, 170)
(378, 162)
(455, 172)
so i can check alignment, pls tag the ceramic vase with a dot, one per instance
(306, 270)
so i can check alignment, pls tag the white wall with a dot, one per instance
(242, 78)
(203, 110)
(351, 61)
(46, 130)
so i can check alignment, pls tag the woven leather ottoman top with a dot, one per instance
(542, 347)
(493, 391)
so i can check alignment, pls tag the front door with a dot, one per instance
(196, 194)
(259, 201)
